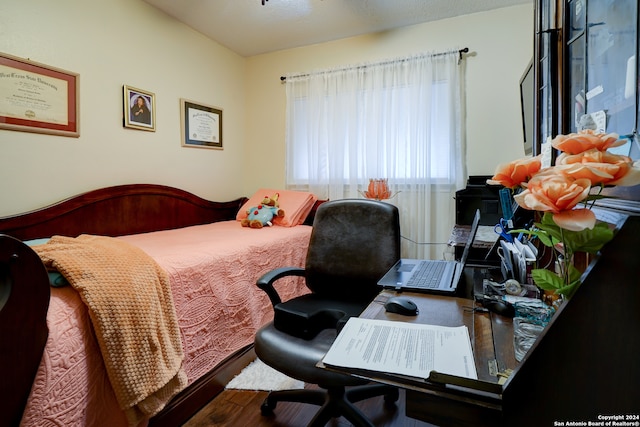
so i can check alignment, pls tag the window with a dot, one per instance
(398, 120)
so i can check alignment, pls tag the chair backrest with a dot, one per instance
(354, 242)
(24, 300)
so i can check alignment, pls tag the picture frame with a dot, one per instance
(201, 125)
(38, 98)
(139, 109)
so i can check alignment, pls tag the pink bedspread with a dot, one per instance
(213, 269)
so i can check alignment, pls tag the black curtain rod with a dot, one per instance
(460, 52)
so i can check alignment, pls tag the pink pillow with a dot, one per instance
(296, 205)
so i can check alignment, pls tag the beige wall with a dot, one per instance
(110, 44)
(127, 42)
(501, 45)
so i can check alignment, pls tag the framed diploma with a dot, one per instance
(38, 98)
(139, 109)
(201, 125)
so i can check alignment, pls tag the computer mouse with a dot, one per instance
(401, 305)
(500, 307)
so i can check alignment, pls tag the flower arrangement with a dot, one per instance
(564, 194)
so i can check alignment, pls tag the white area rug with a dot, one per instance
(258, 376)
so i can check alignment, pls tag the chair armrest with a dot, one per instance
(266, 281)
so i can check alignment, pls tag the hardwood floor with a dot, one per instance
(242, 408)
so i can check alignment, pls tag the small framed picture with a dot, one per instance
(139, 109)
(201, 125)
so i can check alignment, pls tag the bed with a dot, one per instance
(51, 346)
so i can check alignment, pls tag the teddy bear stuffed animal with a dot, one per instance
(261, 215)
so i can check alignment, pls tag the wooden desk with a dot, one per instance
(492, 341)
(582, 367)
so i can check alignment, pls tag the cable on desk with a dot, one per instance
(423, 243)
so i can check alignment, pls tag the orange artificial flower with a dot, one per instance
(557, 193)
(601, 167)
(514, 174)
(584, 163)
(576, 143)
(378, 189)
(575, 219)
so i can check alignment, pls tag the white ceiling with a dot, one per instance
(249, 28)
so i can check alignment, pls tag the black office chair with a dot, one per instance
(23, 324)
(353, 243)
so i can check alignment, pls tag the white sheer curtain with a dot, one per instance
(401, 120)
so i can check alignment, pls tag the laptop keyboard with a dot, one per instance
(427, 275)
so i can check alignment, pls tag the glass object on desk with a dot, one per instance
(531, 317)
(525, 333)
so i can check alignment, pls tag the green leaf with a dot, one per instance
(550, 234)
(546, 279)
(569, 289)
(589, 240)
(574, 274)
(574, 281)
(547, 239)
(550, 281)
(542, 235)
(586, 240)
(551, 227)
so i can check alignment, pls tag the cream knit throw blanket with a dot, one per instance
(131, 308)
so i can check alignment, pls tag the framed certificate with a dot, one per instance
(38, 98)
(201, 125)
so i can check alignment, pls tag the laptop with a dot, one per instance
(429, 276)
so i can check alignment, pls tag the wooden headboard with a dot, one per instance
(120, 210)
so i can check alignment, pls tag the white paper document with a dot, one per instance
(403, 348)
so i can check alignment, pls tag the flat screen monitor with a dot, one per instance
(527, 104)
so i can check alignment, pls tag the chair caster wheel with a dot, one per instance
(267, 407)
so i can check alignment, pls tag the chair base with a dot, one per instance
(333, 401)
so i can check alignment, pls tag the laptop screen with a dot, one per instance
(472, 236)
